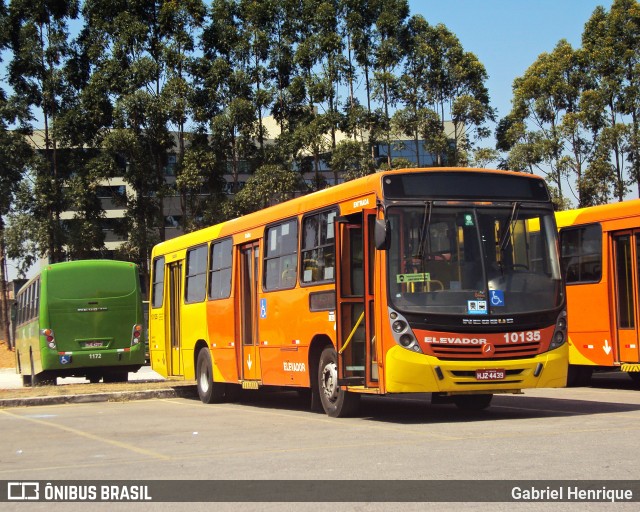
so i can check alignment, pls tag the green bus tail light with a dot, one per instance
(49, 336)
(137, 333)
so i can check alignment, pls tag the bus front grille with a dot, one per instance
(452, 352)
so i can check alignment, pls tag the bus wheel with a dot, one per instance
(336, 402)
(472, 402)
(209, 392)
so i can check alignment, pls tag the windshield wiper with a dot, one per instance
(424, 232)
(509, 226)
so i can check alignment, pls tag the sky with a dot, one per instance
(506, 35)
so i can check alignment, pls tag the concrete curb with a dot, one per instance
(113, 396)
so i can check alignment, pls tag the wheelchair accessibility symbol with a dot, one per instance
(496, 297)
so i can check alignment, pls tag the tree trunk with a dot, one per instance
(6, 319)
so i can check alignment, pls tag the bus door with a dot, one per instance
(248, 308)
(626, 260)
(175, 298)
(356, 337)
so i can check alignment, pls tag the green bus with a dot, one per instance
(81, 319)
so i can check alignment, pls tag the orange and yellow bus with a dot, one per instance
(417, 280)
(600, 252)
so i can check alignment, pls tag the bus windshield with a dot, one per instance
(473, 260)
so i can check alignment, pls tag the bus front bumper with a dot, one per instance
(409, 372)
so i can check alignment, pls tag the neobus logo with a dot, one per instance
(443, 340)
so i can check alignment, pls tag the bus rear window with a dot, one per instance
(86, 282)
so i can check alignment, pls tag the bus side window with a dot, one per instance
(196, 279)
(157, 288)
(318, 248)
(36, 298)
(220, 269)
(281, 256)
(581, 251)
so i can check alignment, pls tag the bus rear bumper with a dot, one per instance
(408, 372)
(102, 358)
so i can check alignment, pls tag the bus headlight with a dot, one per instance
(560, 332)
(402, 333)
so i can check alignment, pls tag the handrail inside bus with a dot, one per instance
(353, 331)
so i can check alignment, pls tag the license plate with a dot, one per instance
(490, 374)
(92, 344)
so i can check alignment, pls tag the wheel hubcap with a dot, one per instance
(330, 382)
(204, 381)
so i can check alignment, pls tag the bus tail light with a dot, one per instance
(402, 333)
(50, 337)
(560, 332)
(136, 334)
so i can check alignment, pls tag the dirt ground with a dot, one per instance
(7, 357)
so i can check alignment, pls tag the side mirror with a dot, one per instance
(382, 234)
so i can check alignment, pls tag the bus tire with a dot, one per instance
(210, 392)
(472, 402)
(336, 401)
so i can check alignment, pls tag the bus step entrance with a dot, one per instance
(351, 381)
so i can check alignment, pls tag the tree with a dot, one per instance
(612, 44)
(14, 157)
(547, 128)
(390, 25)
(137, 52)
(350, 160)
(457, 92)
(224, 90)
(268, 186)
(39, 46)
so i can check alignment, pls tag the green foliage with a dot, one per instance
(576, 112)
(268, 186)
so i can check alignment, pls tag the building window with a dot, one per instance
(220, 271)
(281, 256)
(318, 247)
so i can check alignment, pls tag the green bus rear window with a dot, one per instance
(80, 282)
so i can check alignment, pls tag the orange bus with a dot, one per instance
(600, 252)
(442, 280)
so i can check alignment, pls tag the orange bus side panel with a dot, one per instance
(285, 330)
(589, 324)
(222, 337)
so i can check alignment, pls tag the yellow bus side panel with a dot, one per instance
(409, 372)
(192, 330)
